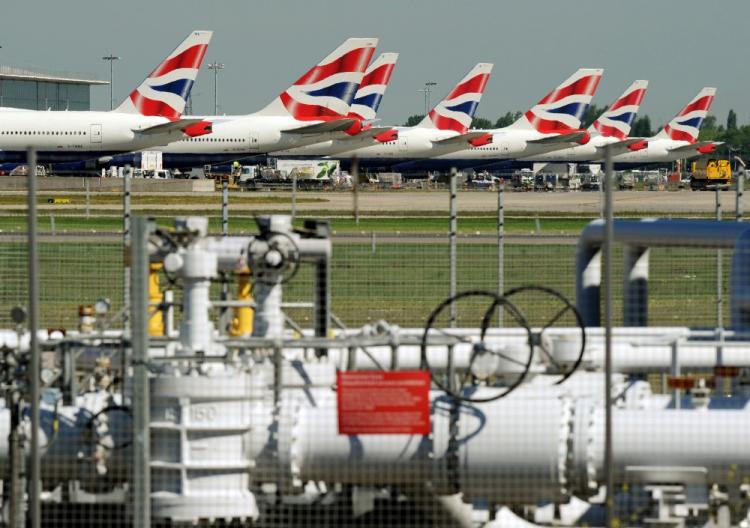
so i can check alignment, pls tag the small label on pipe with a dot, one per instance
(383, 402)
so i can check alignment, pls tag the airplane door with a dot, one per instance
(254, 142)
(96, 134)
(403, 145)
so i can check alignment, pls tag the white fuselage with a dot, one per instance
(507, 143)
(657, 151)
(591, 151)
(249, 134)
(75, 136)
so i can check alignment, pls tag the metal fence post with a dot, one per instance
(88, 197)
(224, 207)
(740, 191)
(34, 482)
(500, 246)
(126, 184)
(719, 270)
(607, 249)
(452, 244)
(139, 341)
(294, 195)
(355, 185)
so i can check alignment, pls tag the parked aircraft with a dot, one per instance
(150, 116)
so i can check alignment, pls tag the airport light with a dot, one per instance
(427, 90)
(216, 66)
(111, 58)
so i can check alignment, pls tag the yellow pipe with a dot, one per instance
(155, 295)
(242, 322)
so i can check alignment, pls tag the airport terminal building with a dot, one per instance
(39, 90)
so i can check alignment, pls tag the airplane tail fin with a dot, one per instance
(457, 110)
(686, 125)
(618, 119)
(166, 90)
(328, 88)
(561, 110)
(367, 99)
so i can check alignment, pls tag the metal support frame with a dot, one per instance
(452, 228)
(142, 228)
(635, 287)
(35, 481)
(322, 298)
(642, 233)
(225, 315)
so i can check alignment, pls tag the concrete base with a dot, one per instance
(76, 183)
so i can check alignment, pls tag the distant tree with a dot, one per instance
(508, 119)
(731, 120)
(590, 115)
(711, 130)
(642, 127)
(414, 120)
(481, 122)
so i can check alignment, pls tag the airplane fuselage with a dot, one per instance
(73, 136)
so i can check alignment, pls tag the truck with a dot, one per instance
(710, 172)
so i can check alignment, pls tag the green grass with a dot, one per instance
(411, 225)
(401, 283)
(115, 198)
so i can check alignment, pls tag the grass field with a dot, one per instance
(471, 225)
(401, 283)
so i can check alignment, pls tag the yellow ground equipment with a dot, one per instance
(710, 172)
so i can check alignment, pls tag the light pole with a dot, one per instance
(216, 66)
(427, 90)
(111, 58)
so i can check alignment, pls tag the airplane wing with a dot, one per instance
(620, 147)
(695, 146)
(339, 125)
(168, 128)
(461, 139)
(572, 137)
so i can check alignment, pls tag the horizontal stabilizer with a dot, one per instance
(694, 147)
(573, 137)
(621, 147)
(337, 125)
(168, 128)
(462, 138)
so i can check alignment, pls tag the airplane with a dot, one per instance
(679, 138)
(313, 109)
(444, 129)
(150, 116)
(611, 128)
(364, 107)
(553, 123)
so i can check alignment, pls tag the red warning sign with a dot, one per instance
(384, 402)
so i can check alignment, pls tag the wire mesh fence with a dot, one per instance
(251, 436)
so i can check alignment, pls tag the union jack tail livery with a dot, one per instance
(618, 119)
(457, 110)
(367, 99)
(686, 125)
(562, 109)
(165, 91)
(327, 90)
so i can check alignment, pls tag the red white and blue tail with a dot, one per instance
(166, 90)
(367, 99)
(562, 109)
(327, 89)
(618, 119)
(457, 110)
(686, 125)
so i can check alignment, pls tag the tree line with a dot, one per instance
(733, 135)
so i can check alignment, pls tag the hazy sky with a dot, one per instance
(679, 45)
